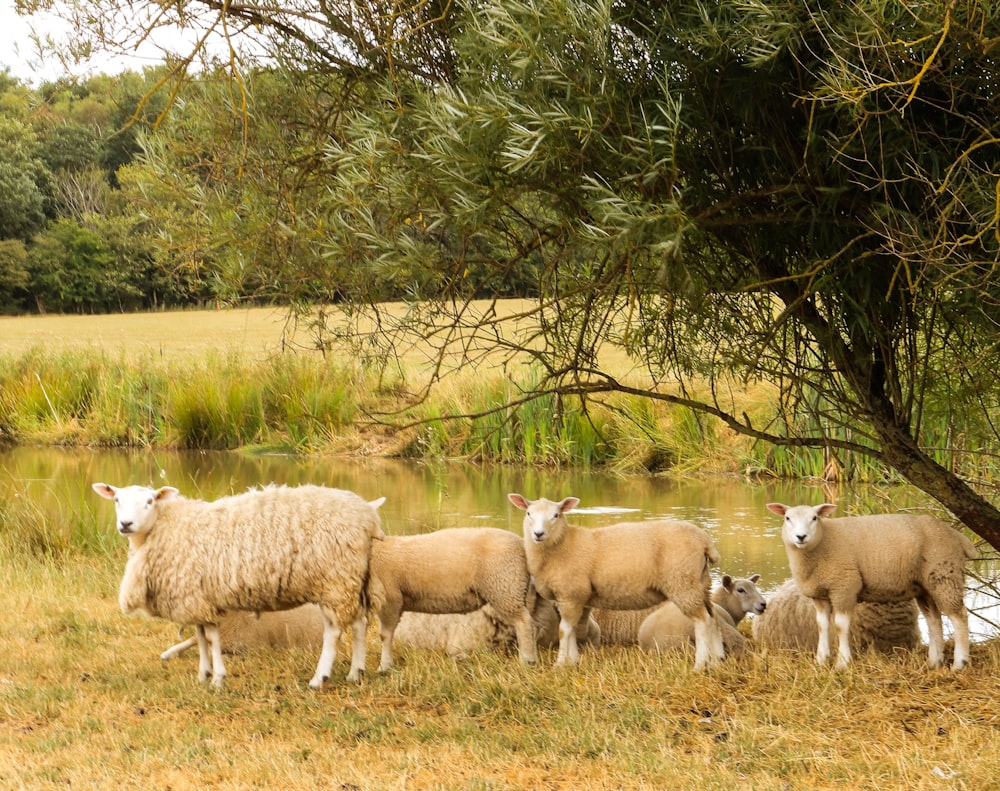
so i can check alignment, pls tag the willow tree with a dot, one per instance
(727, 191)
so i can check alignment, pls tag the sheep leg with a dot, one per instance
(524, 629)
(204, 658)
(823, 624)
(388, 620)
(935, 631)
(331, 636)
(215, 643)
(960, 623)
(842, 622)
(569, 652)
(708, 648)
(174, 650)
(359, 651)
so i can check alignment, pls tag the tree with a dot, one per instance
(729, 191)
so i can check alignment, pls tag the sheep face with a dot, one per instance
(135, 506)
(801, 528)
(544, 520)
(746, 591)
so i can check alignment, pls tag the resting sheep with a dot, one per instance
(664, 626)
(879, 558)
(790, 623)
(456, 570)
(456, 634)
(191, 561)
(733, 598)
(627, 566)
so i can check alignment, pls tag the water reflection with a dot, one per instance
(423, 497)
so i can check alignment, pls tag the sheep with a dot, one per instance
(456, 634)
(664, 626)
(456, 570)
(878, 558)
(298, 627)
(627, 566)
(790, 623)
(274, 548)
(733, 598)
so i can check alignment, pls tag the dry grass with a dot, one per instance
(85, 702)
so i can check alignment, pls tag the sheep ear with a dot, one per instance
(753, 578)
(519, 500)
(777, 508)
(568, 504)
(105, 490)
(727, 582)
(165, 493)
(825, 509)
(377, 503)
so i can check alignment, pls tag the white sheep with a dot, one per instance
(790, 623)
(298, 627)
(663, 626)
(878, 558)
(457, 634)
(733, 598)
(191, 561)
(457, 570)
(628, 566)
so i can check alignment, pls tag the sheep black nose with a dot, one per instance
(125, 527)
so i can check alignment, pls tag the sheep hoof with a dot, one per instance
(317, 682)
(355, 676)
(217, 681)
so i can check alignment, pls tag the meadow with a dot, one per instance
(86, 702)
(254, 380)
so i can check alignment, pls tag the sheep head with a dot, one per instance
(801, 528)
(135, 506)
(543, 519)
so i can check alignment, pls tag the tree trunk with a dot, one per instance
(901, 452)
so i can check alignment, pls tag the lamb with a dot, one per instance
(790, 623)
(666, 627)
(627, 566)
(878, 558)
(457, 570)
(191, 561)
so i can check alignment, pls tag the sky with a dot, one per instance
(17, 52)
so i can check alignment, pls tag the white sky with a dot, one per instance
(17, 50)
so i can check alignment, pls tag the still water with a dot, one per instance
(422, 496)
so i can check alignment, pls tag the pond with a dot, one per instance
(422, 497)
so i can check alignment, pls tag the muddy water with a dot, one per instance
(422, 497)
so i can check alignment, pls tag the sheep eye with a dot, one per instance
(741, 590)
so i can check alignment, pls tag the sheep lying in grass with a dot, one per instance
(664, 627)
(628, 566)
(733, 598)
(457, 570)
(191, 561)
(790, 622)
(880, 558)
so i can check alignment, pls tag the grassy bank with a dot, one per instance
(246, 380)
(85, 701)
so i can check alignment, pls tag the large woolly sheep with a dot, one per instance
(457, 570)
(733, 598)
(879, 558)
(628, 566)
(790, 623)
(191, 561)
